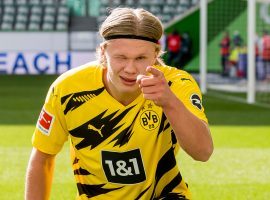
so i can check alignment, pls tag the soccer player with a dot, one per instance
(225, 52)
(126, 116)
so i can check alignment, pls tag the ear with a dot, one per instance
(102, 54)
(102, 48)
(157, 52)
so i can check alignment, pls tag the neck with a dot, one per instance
(124, 98)
(127, 100)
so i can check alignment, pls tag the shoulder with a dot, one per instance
(78, 74)
(80, 78)
(176, 76)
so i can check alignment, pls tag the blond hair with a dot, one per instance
(132, 22)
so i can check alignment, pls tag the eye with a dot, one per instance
(141, 58)
(121, 57)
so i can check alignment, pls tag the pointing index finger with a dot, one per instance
(155, 72)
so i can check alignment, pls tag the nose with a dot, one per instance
(130, 67)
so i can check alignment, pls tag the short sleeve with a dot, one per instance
(187, 90)
(50, 133)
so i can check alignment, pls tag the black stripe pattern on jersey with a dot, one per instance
(174, 139)
(98, 129)
(93, 190)
(165, 164)
(166, 192)
(142, 193)
(164, 124)
(75, 100)
(125, 135)
(172, 196)
(75, 161)
(81, 171)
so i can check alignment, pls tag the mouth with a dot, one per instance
(128, 81)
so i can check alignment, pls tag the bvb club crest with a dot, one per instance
(149, 120)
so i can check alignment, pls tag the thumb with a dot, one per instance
(139, 78)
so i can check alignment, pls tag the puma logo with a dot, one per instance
(91, 127)
(185, 79)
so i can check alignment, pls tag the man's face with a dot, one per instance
(126, 59)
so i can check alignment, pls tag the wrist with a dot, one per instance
(172, 103)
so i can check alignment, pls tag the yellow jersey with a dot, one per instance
(117, 151)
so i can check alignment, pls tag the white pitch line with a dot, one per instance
(237, 99)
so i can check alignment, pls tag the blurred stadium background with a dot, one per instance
(40, 39)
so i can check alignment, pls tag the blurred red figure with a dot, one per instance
(266, 53)
(174, 45)
(225, 52)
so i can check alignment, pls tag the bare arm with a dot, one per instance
(192, 133)
(39, 175)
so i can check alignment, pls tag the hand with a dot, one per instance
(155, 87)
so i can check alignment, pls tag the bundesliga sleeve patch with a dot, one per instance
(196, 101)
(45, 122)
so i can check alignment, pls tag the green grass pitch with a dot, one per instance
(237, 170)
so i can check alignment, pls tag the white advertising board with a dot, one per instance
(42, 62)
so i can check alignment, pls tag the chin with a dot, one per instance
(129, 89)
